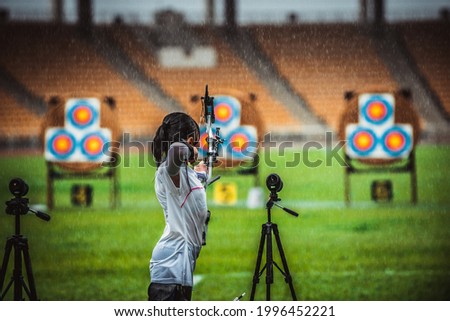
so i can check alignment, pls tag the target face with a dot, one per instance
(60, 144)
(81, 139)
(242, 143)
(239, 142)
(362, 141)
(376, 135)
(82, 113)
(394, 142)
(376, 109)
(397, 141)
(82, 116)
(227, 111)
(92, 145)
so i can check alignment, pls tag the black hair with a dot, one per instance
(175, 127)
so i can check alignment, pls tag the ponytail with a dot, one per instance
(158, 146)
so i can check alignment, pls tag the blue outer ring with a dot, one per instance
(230, 101)
(407, 141)
(76, 105)
(356, 150)
(250, 144)
(373, 99)
(85, 152)
(52, 139)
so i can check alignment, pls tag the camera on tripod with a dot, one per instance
(19, 205)
(18, 244)
(274, 184)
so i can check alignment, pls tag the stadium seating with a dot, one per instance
(321, 62)
(16, 122)
(54, 59)
(429, 44)
(229, 73)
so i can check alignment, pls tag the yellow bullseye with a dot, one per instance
(395, 141)
(83, 115)
(377, 110)
(223, 112)
(238, 142)
(63, 144)
(94, 145)
(363, 141)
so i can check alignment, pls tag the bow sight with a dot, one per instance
(213, 140)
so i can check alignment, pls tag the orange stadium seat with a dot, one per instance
(230, 72)
(16, 122)
(323, 61)
(54, 59)
(429, 44)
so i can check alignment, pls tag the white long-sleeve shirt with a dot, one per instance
(185, 211)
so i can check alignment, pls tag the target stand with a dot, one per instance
(55, 172)
(78, 135)
(407, 166)
(380, 130)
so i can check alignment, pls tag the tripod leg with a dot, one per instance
(50, 186)
(17, 273)
(287, 275)
(257, 273)
(32, 287)
(413, 173)
(8, 248)
(269, 261)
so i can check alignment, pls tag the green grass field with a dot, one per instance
(368, 251)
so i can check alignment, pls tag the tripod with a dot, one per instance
(19, 206)
(266, 238)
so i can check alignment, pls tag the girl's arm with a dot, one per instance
(177, 155)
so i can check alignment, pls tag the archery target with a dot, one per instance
(361, 141)
(373, 133)
(242, 143)
(376, 109)
(227, 111)
(397, 141)
(82, 113)
(60, 144)
(80, 139)
(92, 145)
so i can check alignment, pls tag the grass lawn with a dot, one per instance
(367, 251)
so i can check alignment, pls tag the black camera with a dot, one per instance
(274, 183)
(19, 205)
(18, 187)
